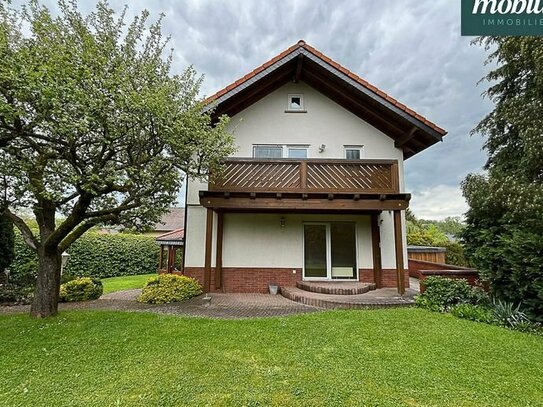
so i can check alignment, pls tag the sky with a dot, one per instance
(411, 49)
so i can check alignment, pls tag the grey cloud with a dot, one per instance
(411, 49)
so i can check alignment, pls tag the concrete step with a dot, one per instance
(382, 298)
(335, 288)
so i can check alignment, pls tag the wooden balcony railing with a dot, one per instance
(307, 176)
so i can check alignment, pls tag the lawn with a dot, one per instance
(125, 283)
(384, 357)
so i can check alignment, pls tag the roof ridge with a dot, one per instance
(302, 44)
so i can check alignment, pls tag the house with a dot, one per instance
(315, 190)
(171, 221)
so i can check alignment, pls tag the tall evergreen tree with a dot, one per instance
(504, 232)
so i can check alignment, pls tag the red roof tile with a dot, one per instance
(178, 234)
(345, 71)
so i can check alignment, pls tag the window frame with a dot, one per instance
(289, 104)
(269, 146)
(285, 148)
(358, 148)
(329, 276)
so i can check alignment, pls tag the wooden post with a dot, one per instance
(395, 177)
(172, 266)
(161, 259)
(209, 241)
(398, 243)
(303, 175)
(376, 250)
(218, 256)
(170, 258)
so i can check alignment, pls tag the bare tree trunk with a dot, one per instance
(45, 303)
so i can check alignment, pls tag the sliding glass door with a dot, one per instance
(330, 251)
(315, 252)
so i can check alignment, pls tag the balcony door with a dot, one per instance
(330, 251)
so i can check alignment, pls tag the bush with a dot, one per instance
(510, 258)
(442, 294)
(81, 289)
(534, 328)
(13, 294)
(455, 254)
(167, 288)
(506, 314)
(92, 255)
(472, 312)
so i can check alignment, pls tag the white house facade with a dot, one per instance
(315, 190)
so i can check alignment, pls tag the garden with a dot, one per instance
(381, 357)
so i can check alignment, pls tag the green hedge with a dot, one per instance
(93, 255)
(23, 269)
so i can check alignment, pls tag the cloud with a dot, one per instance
(411, 49)
(438, 202)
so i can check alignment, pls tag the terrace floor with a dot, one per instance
(239, 306)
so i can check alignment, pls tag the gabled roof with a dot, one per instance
(171, 220)
(301, 62)
(175, 237)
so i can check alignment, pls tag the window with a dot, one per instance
(280, 151)
(297, 152)
(268, 151)
(353, 152)
(295, 103)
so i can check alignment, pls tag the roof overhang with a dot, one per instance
(411, 132)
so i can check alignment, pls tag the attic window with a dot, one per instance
(354, 152)
(295, 103)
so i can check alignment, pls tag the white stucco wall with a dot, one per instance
(256, 240)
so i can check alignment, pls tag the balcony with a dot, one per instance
(308, 185)
(308, 176)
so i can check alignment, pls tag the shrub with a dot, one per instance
(510, 259)
(534, 328)
(472, 312)
(167, 288)
(81, 289)
(455, 254)
(506, 314)
(442, 294)
(13, 294)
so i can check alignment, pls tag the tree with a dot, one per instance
(7, 242)
(504, 232)
(94, 127)
(452, 226)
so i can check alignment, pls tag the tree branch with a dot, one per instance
(113, 211)
(27, 234)
(81, 229)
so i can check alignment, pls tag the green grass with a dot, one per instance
(384, 357)
(125, 283)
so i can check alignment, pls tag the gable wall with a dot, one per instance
(325, 122)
